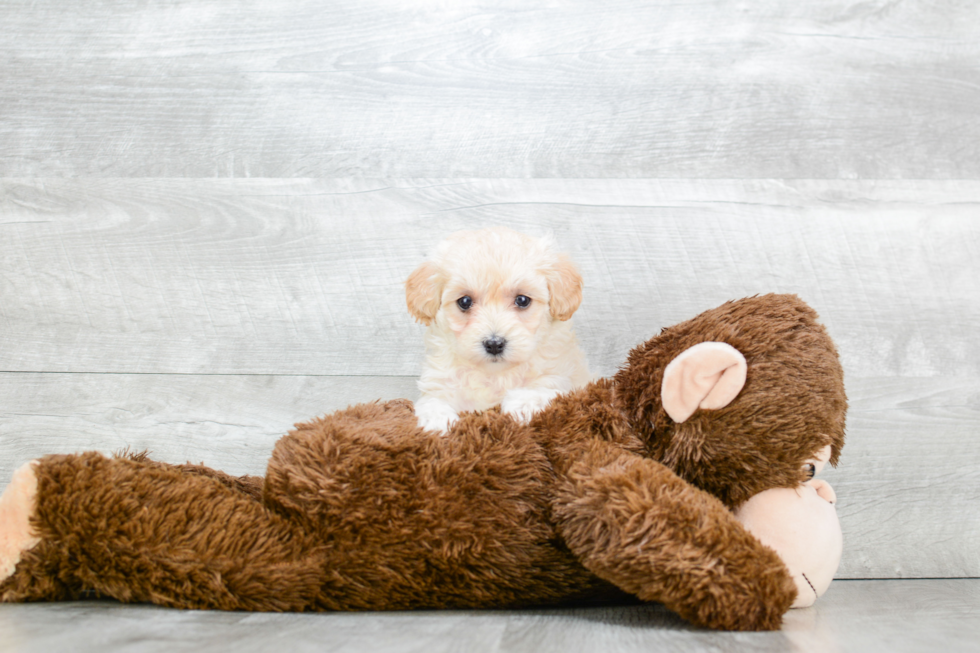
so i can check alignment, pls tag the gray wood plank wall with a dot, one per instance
(623, 88)
(207, 210)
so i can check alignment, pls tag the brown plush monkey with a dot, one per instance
(603, 494)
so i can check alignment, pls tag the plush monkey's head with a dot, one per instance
(740, 399)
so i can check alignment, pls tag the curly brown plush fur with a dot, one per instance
(794, 386)
(601, 496)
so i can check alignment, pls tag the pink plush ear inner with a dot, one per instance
(16, 506)
(708, 375)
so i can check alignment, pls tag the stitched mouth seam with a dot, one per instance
(809, 583)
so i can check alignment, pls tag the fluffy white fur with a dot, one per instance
(498, 270)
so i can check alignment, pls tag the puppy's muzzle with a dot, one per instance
(494, 345)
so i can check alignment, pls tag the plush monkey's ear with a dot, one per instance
(565, 288)
(423, 292)
(708, 375)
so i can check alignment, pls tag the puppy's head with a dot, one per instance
(493, 293)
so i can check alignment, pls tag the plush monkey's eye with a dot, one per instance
(464, 302)
(810, 470)
(522, 301)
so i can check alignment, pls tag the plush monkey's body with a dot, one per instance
(362, 510)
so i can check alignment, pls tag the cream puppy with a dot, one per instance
(497, 305)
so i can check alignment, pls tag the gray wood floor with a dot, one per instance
(208, 209)
(853, 617)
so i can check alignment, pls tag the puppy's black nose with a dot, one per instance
(495, 345)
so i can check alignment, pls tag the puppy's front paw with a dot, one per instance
(435, 415)
(523, 403)
(16, 506)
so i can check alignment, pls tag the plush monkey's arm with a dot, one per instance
(635, 523)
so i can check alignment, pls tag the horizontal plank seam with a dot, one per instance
(454, 180)
(325, 376)
(911, 578)
(415, 376)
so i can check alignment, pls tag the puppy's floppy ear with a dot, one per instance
(423, 292)
(565, 288)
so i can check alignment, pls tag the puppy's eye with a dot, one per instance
(810, 470)
(522, 301)
(464, 302)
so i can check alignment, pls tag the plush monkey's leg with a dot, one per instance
(137, 530)
(635, 523)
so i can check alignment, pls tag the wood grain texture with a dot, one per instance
(685, 153)
(898, 616)
(227, 422)
(771, 88)
(908, 483)
(305, 276)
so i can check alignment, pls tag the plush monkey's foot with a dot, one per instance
(16, 506)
